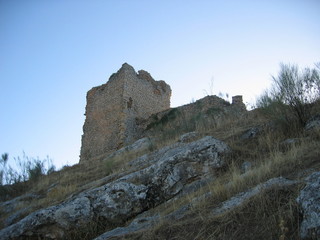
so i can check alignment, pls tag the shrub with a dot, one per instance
(3, 162)
(291, 95)
(169, 116)
(25, 168)
(35, 170)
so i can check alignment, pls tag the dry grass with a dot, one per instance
(271, 215)
(60, 185)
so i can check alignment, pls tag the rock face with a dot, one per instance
(309, 200)
(161, 176)
(146, 220)
(244, 196)
(112, 110)
(189, 137)
(313, 123)
(251, 133)
(138, 146)
(9, 207)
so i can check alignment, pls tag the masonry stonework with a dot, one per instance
(113, 108)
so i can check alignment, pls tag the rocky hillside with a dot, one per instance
(207, 170)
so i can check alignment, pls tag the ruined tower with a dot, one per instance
(112, 110)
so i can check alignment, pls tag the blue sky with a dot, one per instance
(53, 51)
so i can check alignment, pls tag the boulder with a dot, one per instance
(171, 170)
(242, 197)
(52, 222)
(176, 168)
(251, 133)
(13, 210)
(118, 201)
(16, 216)
(313, 123)
(11, 205)
(137, 224)
(189, 137)
(309, 201)
(138, 146)
(148, 219)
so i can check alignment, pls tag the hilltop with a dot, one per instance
(206, 170)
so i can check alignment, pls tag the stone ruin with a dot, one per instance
(113, 109)
(237, 100)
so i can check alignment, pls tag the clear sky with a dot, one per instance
(53, 51)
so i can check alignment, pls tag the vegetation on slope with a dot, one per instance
(273, 214)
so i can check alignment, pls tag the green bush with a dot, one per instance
(292, 93)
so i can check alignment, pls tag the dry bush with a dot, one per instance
(292, 94)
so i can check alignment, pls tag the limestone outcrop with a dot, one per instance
(158, 177)
(113, 109)
(309, 200)
(147, 220)
(161, 175)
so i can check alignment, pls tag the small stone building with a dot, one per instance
(113, 108)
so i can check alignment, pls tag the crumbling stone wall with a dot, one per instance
(204, 114)
(238, 102)
(112, 110)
